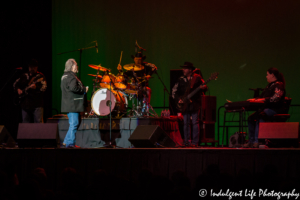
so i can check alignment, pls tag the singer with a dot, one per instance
(72, 102)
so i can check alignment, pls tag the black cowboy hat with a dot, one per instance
(139, 55)
(188, 65)
(33, 63)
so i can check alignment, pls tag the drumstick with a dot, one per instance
(120, 61)
(121, 57)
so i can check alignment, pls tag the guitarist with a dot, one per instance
(186, 84)
(31, 86)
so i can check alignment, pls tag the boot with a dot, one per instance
(247, 145)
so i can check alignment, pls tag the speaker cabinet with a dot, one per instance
(208, 108)
(37, 135)
(5, 137)
(207, 132)
(149, 136)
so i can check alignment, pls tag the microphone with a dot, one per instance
(96, 46)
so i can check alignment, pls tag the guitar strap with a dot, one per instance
(34, 78)
(193, 81)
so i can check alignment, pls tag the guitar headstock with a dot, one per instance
(214, 76)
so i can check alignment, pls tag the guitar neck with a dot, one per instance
(31, 84)
(196, 90)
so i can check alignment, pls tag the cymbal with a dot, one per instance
(134, 67)
(94, 75)
(99, 67)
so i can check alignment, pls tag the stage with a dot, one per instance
(128, 163)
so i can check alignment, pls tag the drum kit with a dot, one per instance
(111, 93)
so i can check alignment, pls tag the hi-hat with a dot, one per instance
(99, 67)
(95, 75)
(134, 67)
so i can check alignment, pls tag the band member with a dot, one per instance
(31, 87)
(273, 96)
(149, 68)
(72, 102)
(187, 83)
(141, 79)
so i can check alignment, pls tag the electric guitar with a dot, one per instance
(20, 97)
(186, 98)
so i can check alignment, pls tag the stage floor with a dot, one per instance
(128, 162)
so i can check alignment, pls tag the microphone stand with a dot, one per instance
(80, 55)
(110, 145)
(165, 90)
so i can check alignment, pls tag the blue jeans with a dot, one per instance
(73, 126)
(254, 120)
(186, 127)
(33, 115)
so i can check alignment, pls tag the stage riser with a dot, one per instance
(94, 132)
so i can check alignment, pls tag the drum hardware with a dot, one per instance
(135, 110)
(96, 81)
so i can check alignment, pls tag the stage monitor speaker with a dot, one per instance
(38, 135)
(149, 136)
(5, 137)
(280, 134)
(278, 130)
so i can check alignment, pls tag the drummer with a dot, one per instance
(149, 68)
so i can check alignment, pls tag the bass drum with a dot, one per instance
(102, 98)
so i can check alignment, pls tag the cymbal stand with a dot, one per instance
(133, 112)
(147, 108)
(165, 90)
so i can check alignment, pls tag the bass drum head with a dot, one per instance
(101, 100)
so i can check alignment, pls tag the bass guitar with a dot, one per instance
(186, 98)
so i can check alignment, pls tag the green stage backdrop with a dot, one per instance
(240, 39)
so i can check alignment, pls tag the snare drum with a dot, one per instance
(103, 97)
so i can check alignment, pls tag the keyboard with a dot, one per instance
(243, 105)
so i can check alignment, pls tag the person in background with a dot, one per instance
(30, 88)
